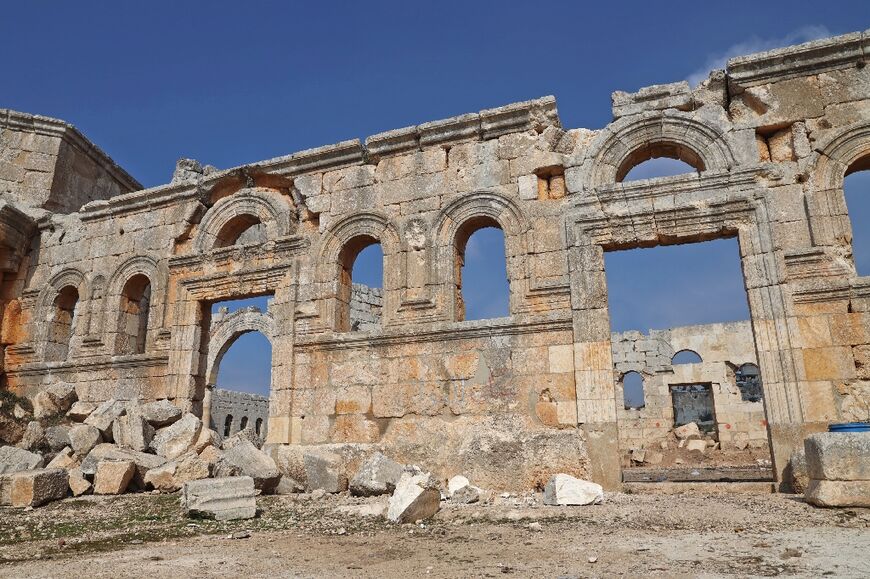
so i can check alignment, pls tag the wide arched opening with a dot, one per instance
(134, 309)
(480, 270)
(61, 324)
(360, 285)
(660, 159)
(243, 229)
(856, 188)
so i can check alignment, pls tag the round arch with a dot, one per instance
(246, 207)
(224, 334)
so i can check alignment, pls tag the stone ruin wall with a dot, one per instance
(366, 304)
(238, 405)
(508, 401)
(722, 347)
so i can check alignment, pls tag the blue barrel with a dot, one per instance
(849, 427)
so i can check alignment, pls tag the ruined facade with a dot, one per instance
(110, 287)
(233, 411)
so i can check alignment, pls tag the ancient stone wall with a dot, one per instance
(366, 304)
(518, 398)
(232, 411)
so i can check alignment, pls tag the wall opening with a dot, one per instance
(482, 286)
(258, 427)
(61, 324)
(243, 423)
(228, 425)
(748, 379)
(632, 390)
(241, 230)
(686, 357)
(659, 160)
(135, 307)
(360, 285)
(856, 187)
(694, 403)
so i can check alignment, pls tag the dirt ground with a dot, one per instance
(691, 535)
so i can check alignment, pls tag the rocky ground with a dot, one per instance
(300, 535)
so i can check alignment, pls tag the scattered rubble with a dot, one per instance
(563, 489)
(377, 476)
(416, 497)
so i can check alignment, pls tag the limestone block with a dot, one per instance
(176, 439)
(416, 497)
(687, 431)
(245, 434)
(78, 484)
(6, 490)
(352, 400)
(32, 488)
(57, 437)
(160, 413)
(207, 438)
(171, 476)
(528, 187)
(377, 476)
(113, 476)
(563, 489)
(354, 428)
(699, 445)
(55, 399)
(79, 411)
(324, 470)
(83, 438)
(224, 499)
(143, 461)
(34, 436)
(254, 463)
(843, 456)
(131, 430)
(64, 459)
(837, 493)
(104, 415)
(17, 459)
(796, 473)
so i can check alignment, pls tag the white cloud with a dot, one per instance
(756, 44)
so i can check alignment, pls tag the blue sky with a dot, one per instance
(229, 83)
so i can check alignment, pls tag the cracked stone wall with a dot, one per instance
(505, 401)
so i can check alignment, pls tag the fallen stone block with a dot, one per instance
(79, 411)
(171, 476)
(377, 476)
(131, 430)
(161, 413)
(11, 430)
(323, 470)
(53, 400)
(843, 456)
(563, 489)
(838, 493)
(254, 463)
(113, 476)
(14, 459)
(466, 495)
(244, 434)
(33, 437)
(368, 510)
(456, 483)
(288, 486)
(416, 497)
(207, 437)
(688, 431)
(223, 499)
(6, 490)
(64, 459)
(57, 437)
(104, 415)
(175, 440)
(83, 438)
(143, 461)
(653, 457)
(78, 484)
(32, 488)
(699, 445)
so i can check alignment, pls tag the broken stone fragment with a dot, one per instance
(55, 399)
(796, 473)
(254, 463)
(113, 476)
(34, 436)
(175, 440)
(57, 437)
(699, 445)
(64, 459)
(207, 438)
(104, 415)
(460, 490)
(456, 483)
(32, 488)
(323, 470)
(377, 476)
(563, 489)
(14, 459)
(160, 413)
(171, 476)
(223, 499)
(83, 438)
(131, 430)
(78, 484)
(79, 411)
(143, 461)
(688, 431)
(416, 497)
(244, 434)
(288, 486)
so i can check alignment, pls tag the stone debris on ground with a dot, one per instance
(377, 476)
(416, 497)
(563, 489)
(112, 477)
(220, 498)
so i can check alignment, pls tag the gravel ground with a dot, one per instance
(697, 535)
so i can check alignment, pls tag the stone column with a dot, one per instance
(206, 405)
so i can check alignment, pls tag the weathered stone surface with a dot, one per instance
(143, 461)
(798, 476)
(57, 437)
(324, 470)
(455, 483)
(160, 413)
(838, 493)
(288, 486)
(207, 437)
(17, 459)
(377, 476)
(80, 410)
(254, 463)
(699, 445)
(171, 476)
(32, 488)
(687, 431)
(78, 484)
(466, 495)
(366, 510)
(55, 399)
(34, 436)
(173, 441)
(563, 489)
(223, 499)
(113, 476)
(416, 497)
(843, 456)
(247, 434)
(104, 415)
(63, 459)
(83, 438)
(131, 430)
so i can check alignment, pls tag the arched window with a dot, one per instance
(360, 269)
(258, 426)
(632, 390)
(228, 425)
(856, 187)
(749, 382)
(686, 357)
(241, 230)
(244, 423)
(61, 324)
(482, 286)
(659, 159)
(133, 316)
